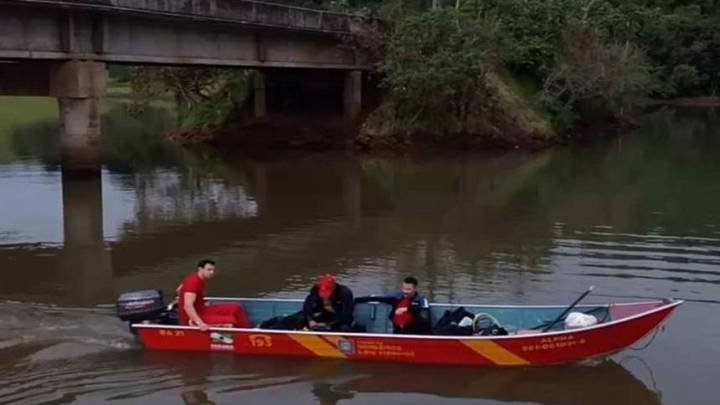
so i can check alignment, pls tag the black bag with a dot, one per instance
(494, 330)
(453, 330)
(448, 323)
(294, 321)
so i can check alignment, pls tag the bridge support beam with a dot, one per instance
(78, 85)
(260, 94)
(352, 94)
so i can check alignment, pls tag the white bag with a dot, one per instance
(466, 321)
(576, 320)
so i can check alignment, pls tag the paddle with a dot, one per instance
(568, 309)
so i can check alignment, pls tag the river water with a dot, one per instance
(638, 216)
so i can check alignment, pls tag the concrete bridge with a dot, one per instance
(60, 48)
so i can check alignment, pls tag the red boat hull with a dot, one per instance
(516, 350)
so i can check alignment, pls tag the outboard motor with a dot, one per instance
(144, 306)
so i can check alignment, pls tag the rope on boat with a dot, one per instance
(479, 316)
(652, 338)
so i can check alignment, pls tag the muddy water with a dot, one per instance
(638, 216)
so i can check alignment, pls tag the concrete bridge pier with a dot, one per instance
(260, 96)
(78, 85)
(352, 94)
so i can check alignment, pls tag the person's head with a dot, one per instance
(326, 286)
(206, 269)
(409, 286)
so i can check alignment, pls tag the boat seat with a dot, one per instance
(374, 316)
(259, 311)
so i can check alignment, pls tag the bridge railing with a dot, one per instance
(242, 11)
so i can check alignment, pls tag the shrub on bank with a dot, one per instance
(499, 71)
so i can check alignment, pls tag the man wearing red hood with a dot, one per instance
(329, 306)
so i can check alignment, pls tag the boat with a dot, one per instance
(620, 326)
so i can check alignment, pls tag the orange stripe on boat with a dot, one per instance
(317, 345)
(494, 352)
(333, 340)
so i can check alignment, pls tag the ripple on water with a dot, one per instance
(686, 267)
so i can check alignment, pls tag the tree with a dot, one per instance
(615, 76)
(206, 97)
(436, 67)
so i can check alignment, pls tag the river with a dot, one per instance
(637, 215)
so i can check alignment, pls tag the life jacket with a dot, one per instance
(406, 317)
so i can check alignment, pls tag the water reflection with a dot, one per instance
(196, 398)
(207, 379)
(638, 216)
(618, 210)
(83, 259)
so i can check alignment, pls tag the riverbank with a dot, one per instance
(323, 133)
(515, 120)
(696, 101)
(312, 134)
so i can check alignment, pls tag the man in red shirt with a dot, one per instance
(191, 302)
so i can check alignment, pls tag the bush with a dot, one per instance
(206, 97)
(614, 76)
(436, 67)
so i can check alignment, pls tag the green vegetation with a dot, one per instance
(205, 97)
(16, 112)
(680, 38)
(29, 125)
(470, 52)
(436, 70)
(505, 71)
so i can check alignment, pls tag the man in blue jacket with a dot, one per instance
(410, 311)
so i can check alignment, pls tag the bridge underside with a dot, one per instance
(62, 51)
(50, 34)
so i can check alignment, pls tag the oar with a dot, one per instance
(568, 309)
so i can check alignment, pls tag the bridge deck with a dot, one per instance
(179, 32)
(229, 11)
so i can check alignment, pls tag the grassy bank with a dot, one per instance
(29, 124)
(16, 112)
